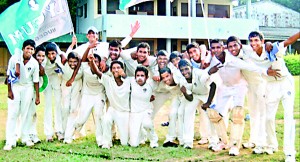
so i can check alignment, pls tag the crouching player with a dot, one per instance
(141, 108)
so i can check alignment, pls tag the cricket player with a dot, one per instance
(20, 93)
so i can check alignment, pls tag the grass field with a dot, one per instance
(85, 149)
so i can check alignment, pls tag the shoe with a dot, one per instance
(28, 143)
(187, 147)
(153, 145)
(49, 139)
(34, 138)
(290, 158)
(68, 141)
(270, 150)
(105, 146)
(212, 145)
(203, 141)
(60, 136)
(220, 146)
(7, 147)
(248, 145)
(258, 150)
(170, 144)
(234, 151)
(165, 124)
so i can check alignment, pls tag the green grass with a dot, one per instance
(85, 149)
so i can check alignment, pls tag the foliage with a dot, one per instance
(293, 63)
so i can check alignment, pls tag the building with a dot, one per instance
(277, 22)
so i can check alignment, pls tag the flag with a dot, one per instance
(40, 20)
(128, 3)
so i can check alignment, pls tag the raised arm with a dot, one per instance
(74, 42)
(292, 39)
(134, 29)
(85, 55)
(71, 80)
(94, 67)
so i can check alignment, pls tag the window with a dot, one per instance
(112, 6)
(199, 12)
(99, 6)
(218, 11)
(80, 11)
(145, 8)
(85, 10)
(184, 9)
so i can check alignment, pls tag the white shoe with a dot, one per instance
(258, 150)
(290, 158)
(270, 150)
(220, 146)
(212, 145)
(105, 147)
(234, 151)
(49, 139)
(68, 141)
(203, 141)
(248, 145)
(29, 143)
(187, 146)
(153, 145)
(7, 147)
(60, 136)
(34, 138)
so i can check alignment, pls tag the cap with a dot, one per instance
(92, 28)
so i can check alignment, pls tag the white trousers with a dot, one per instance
(160, 100)
(283, 91)
(19, 106)
(121, 119)
(53, 86)
(257, 111)
(32, 117)
(189, 118)
(88, 102)
(70, 103)
(176, 119)
(139, 121)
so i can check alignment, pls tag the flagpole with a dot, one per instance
(189, 22)
(205, 23)
(74, 35)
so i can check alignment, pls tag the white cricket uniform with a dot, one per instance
(92, 96)
(256, 99)
(141, 112)
(280, 89)
(71, 96)
(200, 90)
(54, 85)
(23, 92)
(234, 87)
(118, 111)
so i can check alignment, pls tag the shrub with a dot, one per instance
(292, 62)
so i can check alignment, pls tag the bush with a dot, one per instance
(292, 62)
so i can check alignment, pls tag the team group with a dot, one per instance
(125, 88)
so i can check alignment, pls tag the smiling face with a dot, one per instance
(194, 53)
(175, 61)
(162, 61)
(234, 48)
(115, 69)
(114, 53)
(256, 43)
(140, 78)
(216, 49)
(167, 78)
(40, 56)
(186, 71)
(28, 51)
(142, 54)
(73, 62)
(92, 36)
(51, 55)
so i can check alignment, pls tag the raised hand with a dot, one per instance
(214, 69)
(134, 28)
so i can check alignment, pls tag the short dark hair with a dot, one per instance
(192, 45)
(38, 49)
(165, 69)
(162, 53)
(143, 45)
(72, 55)
(233, 38)
(115, 43)
(116, 62)
(216, 41)
(183, 62)
(51, 47)
(97, 56)
(255, 34)
(175, 54)
(141, 68)
(28, 42)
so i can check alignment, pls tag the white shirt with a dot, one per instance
(68, 72)
(118, 96)
(29, 73)
(140, 95)
(91, 84)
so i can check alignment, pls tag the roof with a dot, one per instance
(273, 33)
